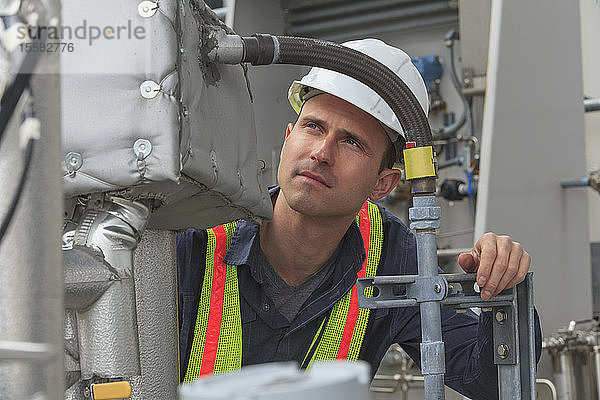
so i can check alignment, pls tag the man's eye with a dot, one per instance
(312, 125)
(352, 142)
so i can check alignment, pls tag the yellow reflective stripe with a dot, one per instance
(197, 350)
(328, 347)
(229, 352)
(376, 244)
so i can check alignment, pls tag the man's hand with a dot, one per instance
(499, 262)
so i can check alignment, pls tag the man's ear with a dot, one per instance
(388, 179)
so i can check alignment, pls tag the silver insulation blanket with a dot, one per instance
(145, 116)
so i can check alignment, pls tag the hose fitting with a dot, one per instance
(260, 49)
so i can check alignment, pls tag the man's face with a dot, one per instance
(331, 158)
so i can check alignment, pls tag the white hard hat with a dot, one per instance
(320, 80)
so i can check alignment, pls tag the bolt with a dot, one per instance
(437, 288)
(74, 161)
(500, 317)
(503, 351)
(146, 9)
(147, 89)
(142, 147)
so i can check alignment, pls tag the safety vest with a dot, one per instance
(217, 344)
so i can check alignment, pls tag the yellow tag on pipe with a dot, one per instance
(112, 390)
(418, 162)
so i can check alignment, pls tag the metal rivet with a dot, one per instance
(142, 148)
(149, 89)
(73, 160)
(500, 317)
(503, 351)
(266, 307)
(437, 288)
(147, 8)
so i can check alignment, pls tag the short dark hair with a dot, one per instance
(389, 157)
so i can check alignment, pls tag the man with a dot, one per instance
(282, 290)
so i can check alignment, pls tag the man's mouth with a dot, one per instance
(314, 177)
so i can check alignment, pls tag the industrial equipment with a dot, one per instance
(158, 134)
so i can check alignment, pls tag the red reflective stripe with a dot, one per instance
(365, 231)
(213, 328)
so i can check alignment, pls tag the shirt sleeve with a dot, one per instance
(468, 337)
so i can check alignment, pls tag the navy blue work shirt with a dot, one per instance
(268, 336)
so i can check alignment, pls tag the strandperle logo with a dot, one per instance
(84, 31)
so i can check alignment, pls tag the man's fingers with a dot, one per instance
(498, 265)
(512, 269)
(486, 246)
(524, 265)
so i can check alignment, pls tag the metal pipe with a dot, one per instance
(113, 225)
(31, 276)
(433, 365)
(548, 382)
(569, 387)
(591, 104)
(446, 253)
(575, 182)
(450, 130)
(369, 18)
(596, 350)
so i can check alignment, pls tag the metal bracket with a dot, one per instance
(504, 335)
(401, 291)
(513, 316)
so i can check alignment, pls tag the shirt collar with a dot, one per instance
(244, 248)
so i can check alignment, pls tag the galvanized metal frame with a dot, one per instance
(513, 322)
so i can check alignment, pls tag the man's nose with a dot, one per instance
(324, 152)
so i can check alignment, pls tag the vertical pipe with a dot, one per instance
(432, 347)
(155, 273)
(108, 331)
(596, 350)
(31, 277)
(566, 366)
